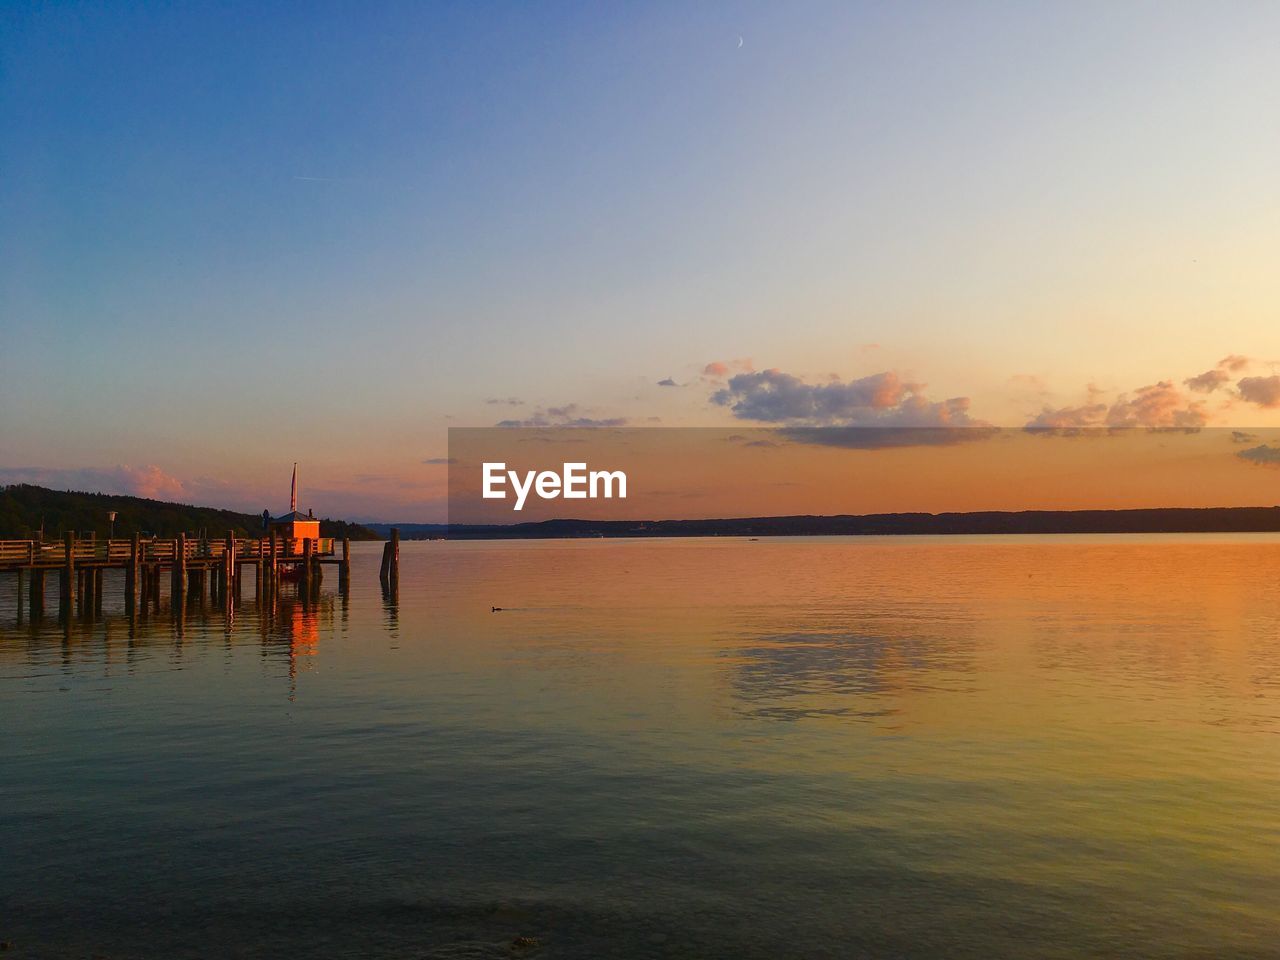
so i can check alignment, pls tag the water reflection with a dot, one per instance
(848, 674)
(287, 625)
(665, 749)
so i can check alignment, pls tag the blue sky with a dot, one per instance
(362, 221)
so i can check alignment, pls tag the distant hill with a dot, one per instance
(24, 508)
(1158, 520)
(410, 531)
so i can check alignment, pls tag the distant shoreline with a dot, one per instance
(1148, 520)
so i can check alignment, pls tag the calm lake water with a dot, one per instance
(965, 747)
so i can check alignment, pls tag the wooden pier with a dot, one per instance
(193, 565)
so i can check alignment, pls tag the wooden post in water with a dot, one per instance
(307, 546)
(33, 591)
(179, 591)
(229, 568)
(395, 557)
(98, 576)
(131, 574)
(205, 550)
(344, 571)
(384, 571)
(85, 588)
(259, 567)
(36, 600)
(69, 572)
(272, 571)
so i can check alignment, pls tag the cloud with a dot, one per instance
(1208, 381)
(440, 461)
(772, 396)
(566, 416)
(1240, 436)
(882, 399)
(763, 437)
(1211, 380)
(147, 481)
(667, 382)
(504, 401)
(1028, 387)
(1158, 405)
(370, 496)
(886, 437)
(1264, 391)
(1262, 455)
(881, 410)
(1234, 362)
(1069, 418)
(719, 369)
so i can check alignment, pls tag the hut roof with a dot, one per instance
(294, 517)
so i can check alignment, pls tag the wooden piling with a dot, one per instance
(131, 574)
(69, 572)
(306, 566)
(36, 598)
(344, 569)
(179, 590)
(85, 592)
(395, 556)
(229, 567)
(32, 552)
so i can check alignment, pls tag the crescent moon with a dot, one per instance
(739, 41)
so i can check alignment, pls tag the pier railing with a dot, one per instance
(19, 553)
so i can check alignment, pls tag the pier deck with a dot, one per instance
(31, 554)
(53, 555)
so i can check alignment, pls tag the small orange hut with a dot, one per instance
(295, 525)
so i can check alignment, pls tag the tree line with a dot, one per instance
(27, 511)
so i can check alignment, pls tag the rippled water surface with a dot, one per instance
(986, 747)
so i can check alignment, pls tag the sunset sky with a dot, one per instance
(235, 236)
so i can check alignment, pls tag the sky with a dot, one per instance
(236, 236)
